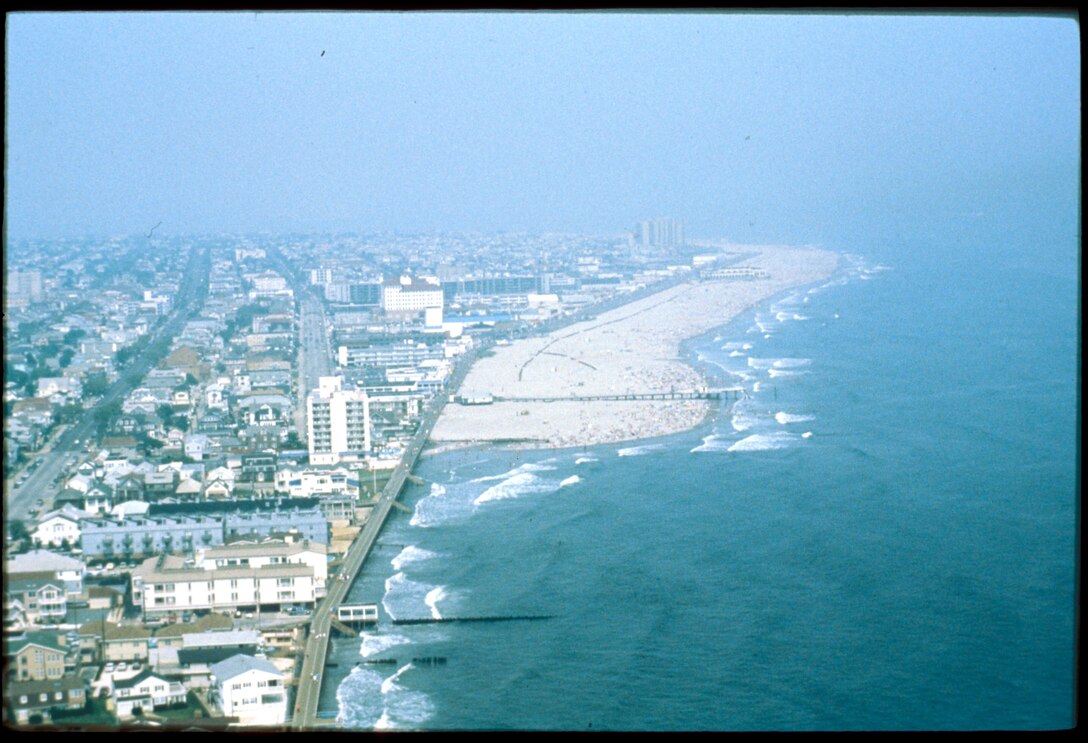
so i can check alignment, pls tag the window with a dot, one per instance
(43, 697)
(58, 696)
(23, 699)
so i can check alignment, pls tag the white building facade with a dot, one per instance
(338, 423)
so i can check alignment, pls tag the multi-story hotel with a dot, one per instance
(338, 422)
(408, 296)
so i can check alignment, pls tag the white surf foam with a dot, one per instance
(734, 346)
(637, 451)
(514, 487)
(784, 373)
(572, 480)
(403, 708)
(786, 418)
(807, 435)
(584, 460)
(527, 467)
(712, 443)
(735, 354)
(742, 421)
(405, 597)
(790, 363)
(763, 442)
(359, 700)
(757, 386)
(435, 509)
(409, 555)
(372, 643)
(433, 597)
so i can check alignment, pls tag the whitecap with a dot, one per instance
(735, 354)
(734, 345)
(572, 480)
(799, 317)
(584, 460)
(807, 435)
(757, 386)
(782, 316)
(746, 347)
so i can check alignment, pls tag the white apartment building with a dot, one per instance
(238, 576)
(409, 296)
(320, 276)
(251, 689)
(338, 423)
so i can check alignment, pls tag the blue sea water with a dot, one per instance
(880, 535)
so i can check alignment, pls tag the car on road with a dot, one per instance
(317, 676)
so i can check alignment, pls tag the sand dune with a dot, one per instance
(632, 349)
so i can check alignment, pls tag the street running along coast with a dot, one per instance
(630, 350)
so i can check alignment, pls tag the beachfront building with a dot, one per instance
(186, 527)
(251, 689)
(410, 296)
(251, 576)
(338, 422)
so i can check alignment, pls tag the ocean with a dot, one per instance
(880, 535)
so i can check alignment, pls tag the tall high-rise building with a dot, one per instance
(25, 285)
(338, 422)
(661, 233)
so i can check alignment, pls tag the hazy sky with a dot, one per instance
(762, 127)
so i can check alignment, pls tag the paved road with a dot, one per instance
(40, 484)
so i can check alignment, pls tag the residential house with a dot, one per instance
(251, 689)
(144, 692)
(28, 698)
(67, 570)
(60, 527)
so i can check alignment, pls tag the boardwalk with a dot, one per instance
(313, 662)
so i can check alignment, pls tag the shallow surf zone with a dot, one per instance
(638, 451)
(765, 442)
(369, 701)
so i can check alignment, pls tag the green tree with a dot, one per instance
(74, 335)
(95, 384)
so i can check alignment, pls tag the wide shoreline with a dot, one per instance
(640, 347)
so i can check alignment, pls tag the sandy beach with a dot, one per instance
(630, 350)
